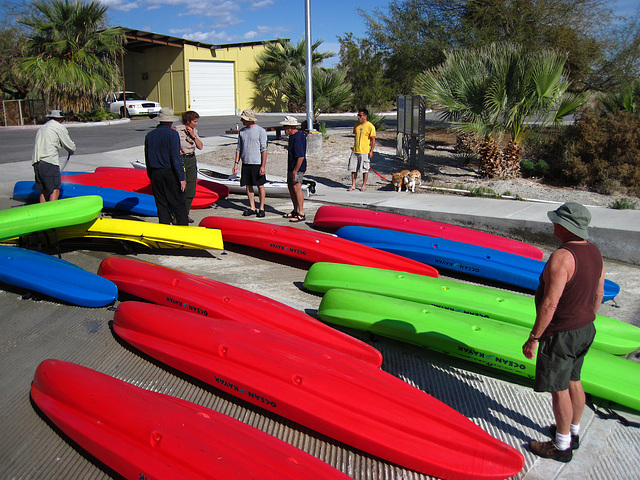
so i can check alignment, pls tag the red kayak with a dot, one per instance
(345, 399)
(148, 435)
(210, 298)
(310, 245)
(132, 180)
(336, 217)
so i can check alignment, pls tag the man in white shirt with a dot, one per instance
(46, 165)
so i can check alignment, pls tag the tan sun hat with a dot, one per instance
(248, 115)
(290, 121)
(166, 115)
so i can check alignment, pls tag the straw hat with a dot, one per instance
(166, 115)
(572, 216)
(290, 121)
(55, 114)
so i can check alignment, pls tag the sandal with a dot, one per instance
(298, 218)
(291, 214)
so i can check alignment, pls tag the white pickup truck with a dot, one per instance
(136, 105)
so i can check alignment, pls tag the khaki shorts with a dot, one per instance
(560, 358)
(358, 162)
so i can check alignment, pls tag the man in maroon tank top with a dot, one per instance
(568, 297)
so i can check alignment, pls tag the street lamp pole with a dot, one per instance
(307, 35)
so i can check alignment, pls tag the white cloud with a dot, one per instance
(120, 5)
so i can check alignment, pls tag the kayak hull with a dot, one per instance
(144, 434)
(480, 340)
(310, 246)
(213, 299)
(55, 278)
(352, 402)
(335, 217)
(459, 257)
(613, 336)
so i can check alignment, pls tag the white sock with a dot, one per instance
(575, 429)
(563, 442)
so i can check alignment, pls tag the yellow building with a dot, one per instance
(189, 75)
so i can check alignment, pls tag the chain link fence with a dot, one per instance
(22, 112)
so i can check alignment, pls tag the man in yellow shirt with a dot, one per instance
(362, 150)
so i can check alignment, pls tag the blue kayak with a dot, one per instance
(115, 199)
(459, 257)
(55, 278)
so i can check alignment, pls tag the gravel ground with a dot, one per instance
(445, 171)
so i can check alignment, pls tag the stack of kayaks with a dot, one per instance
(133, 180)
(447, 326)
(459, 257)
(613, 336)
(112, 198)
(147, 234)
(147, 435)
(335, 394)
(43, 273)
(310, 246)
(334, 217)
(274, 186)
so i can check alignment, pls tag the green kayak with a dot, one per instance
(18, 221)
(474, 338)
(613, 336)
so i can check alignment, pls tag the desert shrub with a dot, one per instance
(603, 152)
(377, 120)
(624, 203)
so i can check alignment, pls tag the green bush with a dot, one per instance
(624, 204)
(534, 168)
(96, 115)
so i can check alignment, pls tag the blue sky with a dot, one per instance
(234, 21)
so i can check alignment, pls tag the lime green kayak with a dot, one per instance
(25, 219)
(614, 336)
(477, 339)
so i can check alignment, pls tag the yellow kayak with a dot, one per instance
(152, 235)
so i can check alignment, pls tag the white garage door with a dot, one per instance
(212, 91)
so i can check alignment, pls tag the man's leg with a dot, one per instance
(55, 195)
(299, 202)
(364, 181)
(294, 198)
(578, 401)
(353, 180)
(562, 410)
(251, 197)
(262, 195)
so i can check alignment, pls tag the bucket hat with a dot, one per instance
(290, 121)
(166, 115)
(248, 115)
(55, 114)
(572, 216)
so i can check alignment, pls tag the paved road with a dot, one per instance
(17, 143)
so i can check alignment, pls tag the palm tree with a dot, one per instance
(500, 90)
(71, 57)
(331, 91)
(275, 62)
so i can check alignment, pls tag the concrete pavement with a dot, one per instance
(508, 409)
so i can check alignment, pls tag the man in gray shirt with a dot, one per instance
(252, 150)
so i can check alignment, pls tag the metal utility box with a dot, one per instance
(411, 128)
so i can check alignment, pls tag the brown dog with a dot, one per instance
(397, 178)
(413, 179)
